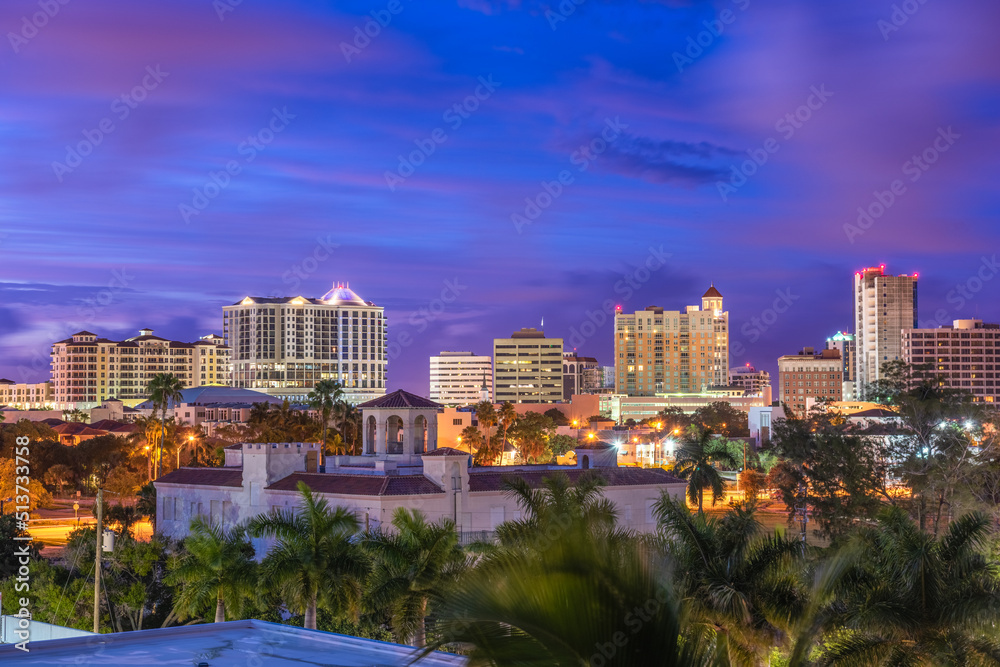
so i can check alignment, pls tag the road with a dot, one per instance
(56, 533)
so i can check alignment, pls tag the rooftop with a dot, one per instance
(223, 645)
(712, 293)
(400, 399)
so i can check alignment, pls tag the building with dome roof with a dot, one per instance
(283, 346)
(661, 351)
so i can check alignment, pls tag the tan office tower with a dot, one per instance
(962, 355)
(284, 346)
(661, 351)
(528, 368)
(883, 306)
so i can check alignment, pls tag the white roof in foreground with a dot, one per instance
(222, 645)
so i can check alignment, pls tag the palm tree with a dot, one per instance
(215, 565)
(162, 389)
(487, 416)
(412, 567)
(558, 503)
(741, 584)
(323, 397)
(314, 559)
(507, 417)
(695, 456)
(913, 599)
(585, 600)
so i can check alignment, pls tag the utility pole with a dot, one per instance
(97, 569)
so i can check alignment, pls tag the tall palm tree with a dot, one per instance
(163, 388)
(913, 599)
(695, 458)
(323, 397)
(585, 600)
(558, 503)
(412, 568)
(507, 417)
(215, 565)
(315, 559)
(742, 585)
(486, 414)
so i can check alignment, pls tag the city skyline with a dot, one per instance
(281, 138)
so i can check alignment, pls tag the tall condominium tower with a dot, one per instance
(668, 351)
(88, 370)
(284, 346)
(457, 378)
(961, 356)
(528, 368)
(883, 306)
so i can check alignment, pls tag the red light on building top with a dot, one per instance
(618, 307)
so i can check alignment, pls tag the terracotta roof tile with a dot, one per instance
(204, 477)
(359, 485)
(400, 399)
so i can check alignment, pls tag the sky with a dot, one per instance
(478, 166)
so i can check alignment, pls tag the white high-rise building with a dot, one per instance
(283, 346)
(883, 306)
(458, 378)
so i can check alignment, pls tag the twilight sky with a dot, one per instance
(119, 121)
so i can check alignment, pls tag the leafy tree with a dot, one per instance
(315, 559)
(215, 566)
(743, 585)
(412, 567)
(162, 389)
(532, 433)
(123, 483)
(696, 458)
(557, 416)
(59, 476)
(752, 482)
(145, 503)
(98, 457)
(561, 445)
(913, 599)
(840, 476)
(722, 417)
(37, 495)
(123, 516)
(674, 420)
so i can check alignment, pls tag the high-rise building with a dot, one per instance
(608, 377)
(667, 351)
(527, 368)
(457, 378)
(847, 346)
(581, 375)
(963, 355)
(283, 346)
(883, 306)
(810, 374)
(87, 370)
(752, 380)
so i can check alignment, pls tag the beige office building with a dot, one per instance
(883, 306)
(964, 356)
(461, 378)
(661, 351)
(283, 346)
(88, 370)
(528, 368)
